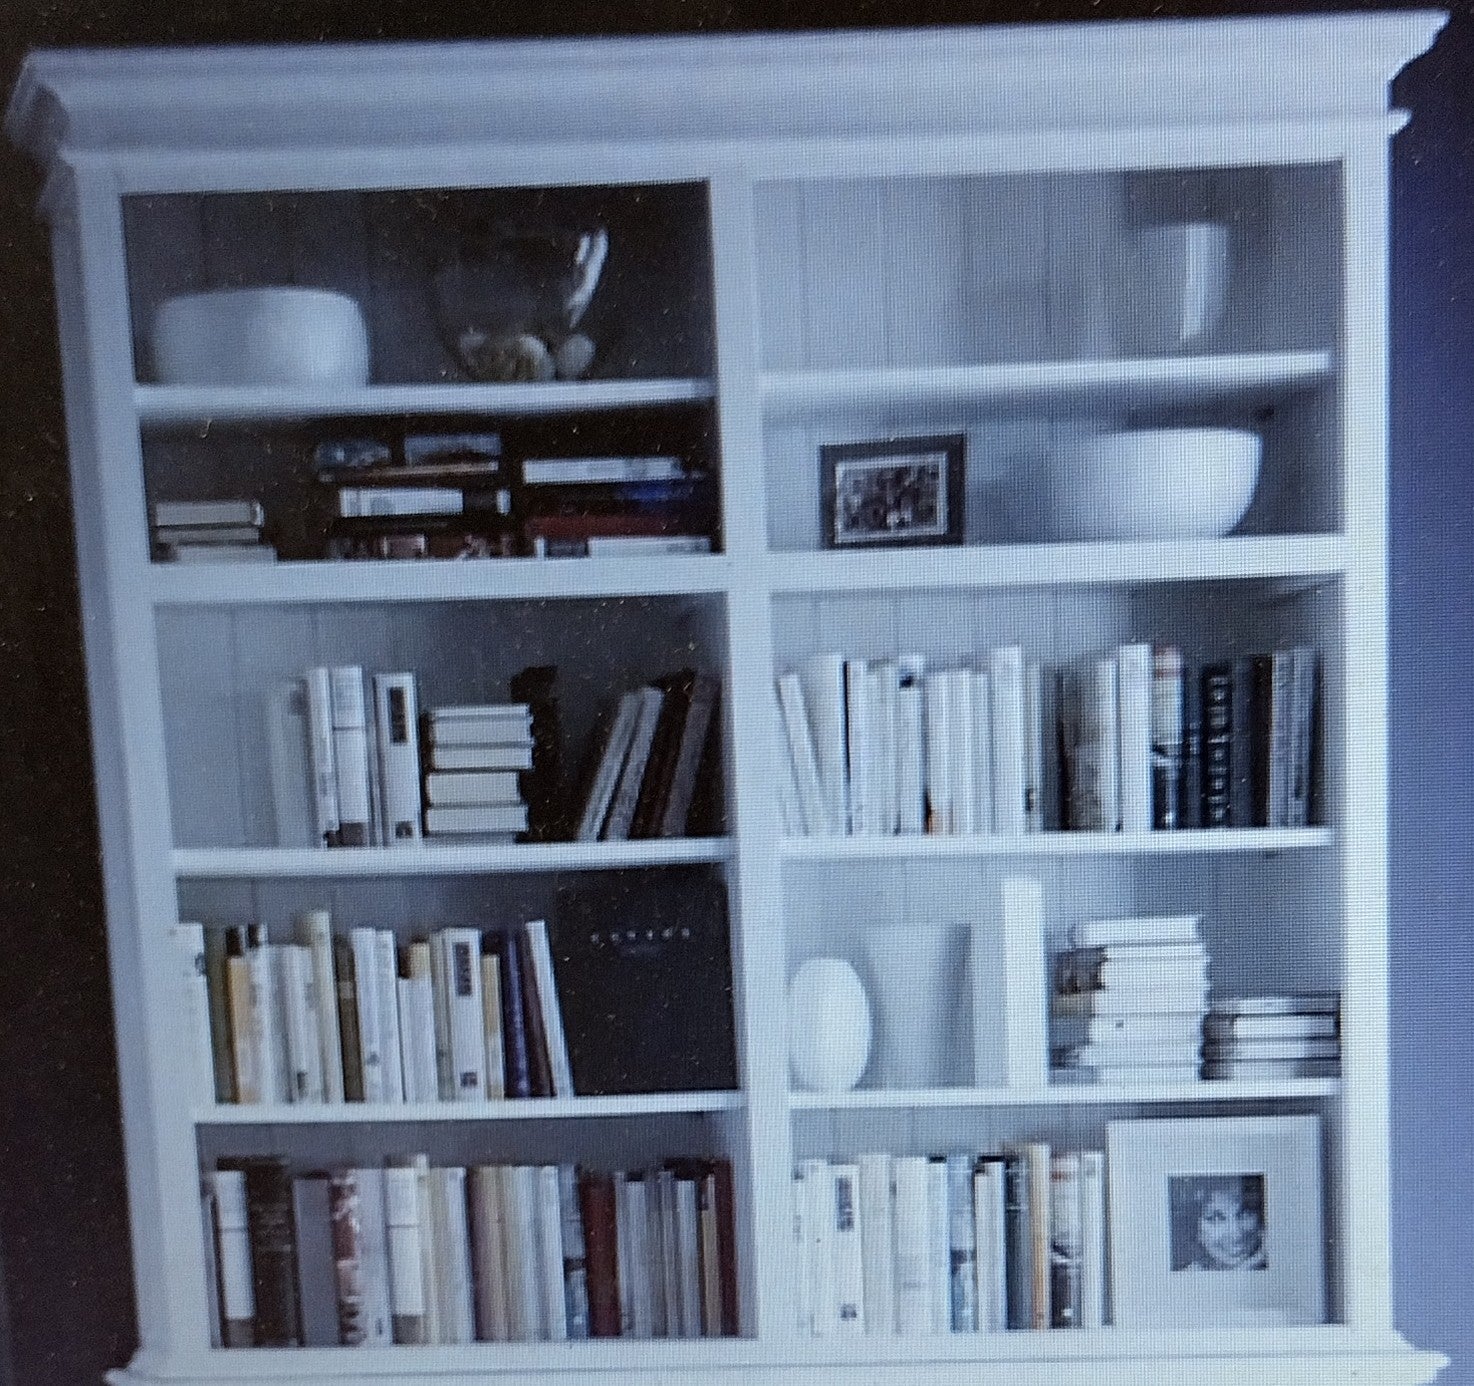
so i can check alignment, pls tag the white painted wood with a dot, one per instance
(526, 1109)
(1069, 1094)
(1175, 844)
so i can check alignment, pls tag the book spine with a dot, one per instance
(939, 752)
(364, 943)
(803, 1298)
(858, 747)
(1166, 736)
(596, 1200)
(877, 1241)
(939, 1246)
(1065, 1241)
(288, 751)
(710, 1246)
(488, 1253)
(911, 744)
(550, 1253)
(222, 1058)
(1037, 1160)
(1190, 780)
(848, 1250)
(466, 1020)
(396, 726)
(535, 932)
(406, 1253)
(1134, 722)
(1305, 700)
(1092, 1239)
(233, 1247)
(637, 1271)
(688, 1256)
(1102, 719)
(884, 684)
(514, 1005)
(913, 1247)
(961, 726)
(458, 1314)
(1244, 716)
(962, 1234)
(662, 1308)
(982, 751)
(210, 1249)
(245, 1054)
(491, 1018)
(376, 1313)
(822, 678)
(431, 1249)
(575, 1265)
(298, 1004)
(316, 1265)
(273, 1252)
(347, 987)
(322, 759)
(811, 795)
(267, 1023)
(989, 1223)
(631, 776)
(700, 716)
(1036, 768)
(346, 1211)
(624, 1252)
(391, 1023)
(1006, 678)
(315, 931)
(818, 1219)
(417, 1039)
(1018, 1239)
(1217, 753)
(609, 766)
(351, 755)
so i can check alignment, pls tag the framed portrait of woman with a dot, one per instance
(1216, 1221)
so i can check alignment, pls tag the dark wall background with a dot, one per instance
(63, 1229)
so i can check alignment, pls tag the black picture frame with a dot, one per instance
(892, 492)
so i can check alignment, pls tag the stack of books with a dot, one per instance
(1129, 1001)
(211, 531)
(427, 495)
(590, 507)
(475, 754)
(1287, 1035)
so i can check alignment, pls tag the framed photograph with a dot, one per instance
(1216, 1220)
(899, 491)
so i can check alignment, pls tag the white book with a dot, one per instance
(564, 471)
(822, 679)
(525, 1293)
(642, 1302)
(992, 1258)
(268, 1024)
(233, 1245)
(884, 685)
(297, 999)
(535, 932)
(982, 751)
(172, 514)
(1092, 1238)
(574, 1278)
(365, 944)
(962, 1236)
(877, 1242)
(457, 1307)
(406, 1253)
(1010, 991)
(465, 1017)
(457, 758)
(488, 1252)
(417, 1039)
(351, 755)
(452, 732)
(803, 1296)
(396, 728)
(913, 1246)
(688, 1256)
(1134, 721)
(1036, 763)
(939, 1246)
(315, 930)
(431, 1262)
(1102, 733)
(434, 956)
(611, 762)
(550, 1253)
(362, 502)
(911, 744)
(499, 819)
(961, 726)
(459, 788)
(848, 1250)
(322, 758)
(190, 939)
(386, 988)
(1006, 680)
(939, 752)
(632, 773)
(491, 1018)
(818, 1219)
(289, 756)
(669, 1257)
(376, 1314)
(645, 545)
(802, 756)
(515, 714)
(858, 746)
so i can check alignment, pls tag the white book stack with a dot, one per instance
(1129, 1000)
(1266, 1038)
(474, 754)
(211, 531)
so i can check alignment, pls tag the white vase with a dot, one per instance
(829, 1026)
(918, 974)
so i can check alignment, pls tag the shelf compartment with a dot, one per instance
(1065, 1095)
(910, 393)
(521, 1109)
(1288, 557)
(161, 406)
(465, 859)
(1054, 843)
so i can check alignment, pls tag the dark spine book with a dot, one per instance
(699, 731)
(1166, 755)
(1217, 748)
(1243, 717)
(713, 1180)
(348, 1256)
(1305, 699)
(317, 1274)
(655, 786)
(1261, 741)
(1190, 779)
(348, 1019)
(273, 1249)
(542, 786)
(539, 1065)
(601, 1253)
(1018, 1240)
(507, 948)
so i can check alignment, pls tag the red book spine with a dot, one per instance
(601, 1253)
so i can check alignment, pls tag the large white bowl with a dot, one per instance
(1160, 483)
(270, 336)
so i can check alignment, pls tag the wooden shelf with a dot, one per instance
(512, 1109)
(455, 859)
(1065, 1095)
(204, 405)
(928, 391)
(1063, 844)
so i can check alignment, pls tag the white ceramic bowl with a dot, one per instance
(1160, 483)
(271, 336)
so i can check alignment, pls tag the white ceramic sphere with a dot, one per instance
(268, 336)
(1157, 483)
(829, 1026)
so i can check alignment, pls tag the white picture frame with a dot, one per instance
(1216, 1221)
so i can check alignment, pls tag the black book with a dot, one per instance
(273, 1248)
(317, 1268)
(1018, 1239)
(645, 982)
(655, 786)
(1190, 772)
(1217, 742)
(506, 946)
(1243, 719)
(542, 786)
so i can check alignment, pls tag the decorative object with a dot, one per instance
(829, 1028)
(509, 294)
(1010, 993)
(266, 336)
(1169, 288)
(1159, 483)
(899, 491)
(1216, 1221)
(917, 978)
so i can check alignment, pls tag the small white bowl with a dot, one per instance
(1160, 483)
(270, 336)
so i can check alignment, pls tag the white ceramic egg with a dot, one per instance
(828, 1026)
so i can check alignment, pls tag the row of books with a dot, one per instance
(416, 1253)
(1275, 1036)
(1131, 740)
(957, 1243)
(218, 531)
(458, 496)
(478, 754)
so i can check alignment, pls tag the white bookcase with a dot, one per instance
(820, 239)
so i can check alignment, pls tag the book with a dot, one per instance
(936, 696)
(268, 1193)
(1221, 1050)
(356, 1211)
(884, 685)
(476, 819)
(268, 1039)
(491, 1014)
(194, 973)
(362, 502)
(169, 535)
(391, 1023)
(1304, 705)
(988, 1223)
(641, 1282)
(417, 1059)
(217, 553)
(633, 545)
(982, 751)
(233, 1256)
(676, 689)
(213, 513)
(322, 758)
(406, 1251)
(1018, 1219)
(1146, 1029)
(575, 1263)
(1011, 992)
(913, 1280)
(506, 948)
(812, 799)
(911, 744)
(1313, 1025)
(697, 733)
(1010, 739)
(465, 1020)
(524, 1281)
(821, 676)
(1134, 720)
(317, 1272)
(297, 999)
(349, 1041)
(626, 795)
(1190, 778)
(488, 1252)
(1286, 1003)
(396, 726)
(1166, 736)
(962, 1237)
(1270, 1070)
(550, 1252)
(1179, 999)
(613, 744)
(363, 942)
(1066, 1247)
(351, 755)
(447, 1186)
(508, 756)
(573, 471)
(539, 1061)
(222, 1058)
(535, 934)
(596, 1201)
(847, 1249)
(288, 755)
(314, 931)
(877, 1242)
(1092, 1239)
(479, 731)
(817, 1185)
